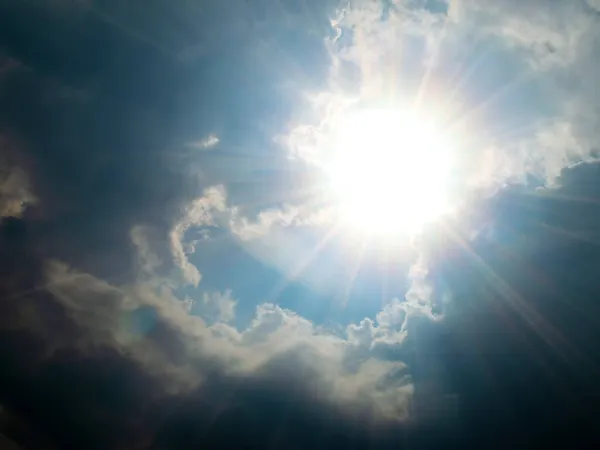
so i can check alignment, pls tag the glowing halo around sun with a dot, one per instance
(390, 171)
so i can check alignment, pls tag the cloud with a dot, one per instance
(305, 215)
(163, 253)
(548, 33)
(207, 143)
(183, 351)
(14, 192)
(218, 306)
(15, 186)
(246, 230)
(369, 338)
(200, 212)
(594, 4)
(559, 43)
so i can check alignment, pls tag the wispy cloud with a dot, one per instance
(218, 306)
(201, 211)
(207, 143)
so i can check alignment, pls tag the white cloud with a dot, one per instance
(203, 211)
(163, 253)
(268, 219)
(277, 343)
(393, 315)
(389, 330)
(393, 322)
(246, 229)
(218, 306)
(548, 32)
(560, 41)
(368, 384)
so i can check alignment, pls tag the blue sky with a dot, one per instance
(164, 212)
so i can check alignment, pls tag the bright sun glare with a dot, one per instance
(390, 172)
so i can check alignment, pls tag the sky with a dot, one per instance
(169, 277)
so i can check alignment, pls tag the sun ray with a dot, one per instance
(554, 195)
(431, 65)
(537, 323)
(570, 234)
(354, 272)
(302, 265)
(495, 96)
(460, 81)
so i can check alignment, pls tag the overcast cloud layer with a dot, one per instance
(155, 156)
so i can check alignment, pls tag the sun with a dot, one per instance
(390, 171)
